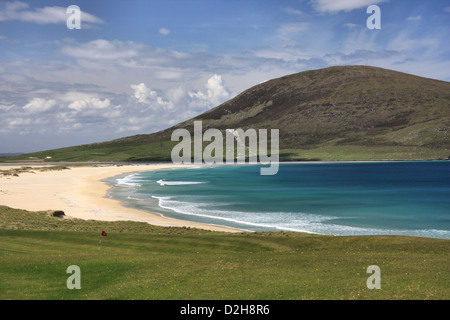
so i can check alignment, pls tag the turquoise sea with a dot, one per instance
(370, 198)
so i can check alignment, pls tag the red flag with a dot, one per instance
(104, 234)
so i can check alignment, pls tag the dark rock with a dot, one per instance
(58, 214)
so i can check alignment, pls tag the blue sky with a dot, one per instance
(141, 66)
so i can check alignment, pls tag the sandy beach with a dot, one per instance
(80, 193)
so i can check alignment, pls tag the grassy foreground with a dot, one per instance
(139, 261)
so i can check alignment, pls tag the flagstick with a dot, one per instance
(100, 239)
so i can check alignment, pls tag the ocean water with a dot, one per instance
(375, 198)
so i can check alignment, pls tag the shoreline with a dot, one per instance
(81, 193)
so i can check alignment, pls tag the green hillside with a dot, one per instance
(337, 113)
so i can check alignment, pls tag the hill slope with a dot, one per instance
(337, 113)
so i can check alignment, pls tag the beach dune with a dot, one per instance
(80, 193)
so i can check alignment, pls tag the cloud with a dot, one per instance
(10, 11)
(447, 9)
(145, 95)
(290, 30)
(350, 25)
(182, 98)
(216, 90)
(142, 93)
(405, 41)
(414, 18)
(13, 123)
(62, 110)
(134, 56)
(103, 50)
(115, 65)
(285, 55)
(38, 105)
(164, 31)
(293, 11)
(6, 107)
(333, 6)
(361, 56)
(89, 102)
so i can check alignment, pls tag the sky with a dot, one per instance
(136, 67)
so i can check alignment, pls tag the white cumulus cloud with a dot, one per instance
(38, 105)
(91, 102)
(217, 92)
(80, 101)
(182, 98)
(142, 93)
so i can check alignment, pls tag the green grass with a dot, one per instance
(139, 261)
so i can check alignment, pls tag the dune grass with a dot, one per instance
(139, 261)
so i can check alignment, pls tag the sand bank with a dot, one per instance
(80, 193)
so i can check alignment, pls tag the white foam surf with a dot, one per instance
(286, 221)
(131, 180)
(177, 183)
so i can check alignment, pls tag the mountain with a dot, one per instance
(336, 113)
